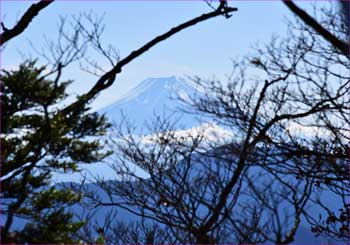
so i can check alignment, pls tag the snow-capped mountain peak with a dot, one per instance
(153, 96)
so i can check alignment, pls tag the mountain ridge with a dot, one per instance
(151, 97)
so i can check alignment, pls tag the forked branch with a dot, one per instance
(24, 22)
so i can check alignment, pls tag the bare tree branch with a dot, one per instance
(23, 23)
(309, 20)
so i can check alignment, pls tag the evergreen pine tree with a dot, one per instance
(38, 138)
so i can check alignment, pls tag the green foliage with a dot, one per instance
(100, 240)
(38, 139)
(50, 223)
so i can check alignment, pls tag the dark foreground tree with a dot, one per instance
(37, 141)
(286, 162)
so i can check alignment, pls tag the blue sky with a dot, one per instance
(205, 50)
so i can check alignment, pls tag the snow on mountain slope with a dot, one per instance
(210, 133)
(153, 96)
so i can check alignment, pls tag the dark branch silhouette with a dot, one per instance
(342, 46)
(24, 22)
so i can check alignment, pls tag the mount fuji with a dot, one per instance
(163, 97)
(153, 97)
